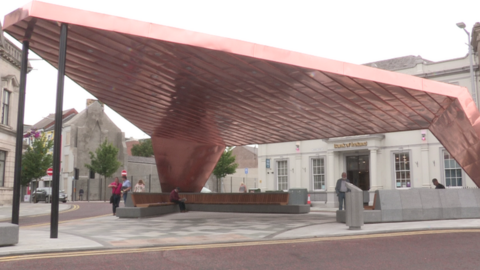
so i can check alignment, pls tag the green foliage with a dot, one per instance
(226, 164)
(36, 160)
(144, 149)
(105, 160)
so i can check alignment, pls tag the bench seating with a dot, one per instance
(153, 204)
(162, 199)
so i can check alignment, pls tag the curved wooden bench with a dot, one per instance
(161, 199)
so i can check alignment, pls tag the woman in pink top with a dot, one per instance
(116, 194)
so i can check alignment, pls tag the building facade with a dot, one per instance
(81, 135)
(400, 160)
(10, 64)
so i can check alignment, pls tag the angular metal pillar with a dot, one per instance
(354, 208)
(19, 140)
(58, 131)
(184, 164)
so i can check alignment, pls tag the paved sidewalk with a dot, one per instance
(195, 228)
(30, 209)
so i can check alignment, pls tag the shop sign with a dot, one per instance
(352, 144)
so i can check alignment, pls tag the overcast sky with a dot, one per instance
(351, 31)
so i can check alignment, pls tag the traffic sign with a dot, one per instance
(124, 173)
(50, 171)
(246, 170)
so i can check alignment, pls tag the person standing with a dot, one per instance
(242, 188)
(116, 191)
(437, 185)
(341, 189)
(139, 187)
(126, 187)
(176, 199)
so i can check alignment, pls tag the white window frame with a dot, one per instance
(277, 175)
(394, 171)
(312, 176)
(442, 167)
(6, 105)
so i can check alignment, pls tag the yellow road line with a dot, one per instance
(73, 208)
(65, 221)
(224, 245)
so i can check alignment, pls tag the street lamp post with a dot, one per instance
(470, 54)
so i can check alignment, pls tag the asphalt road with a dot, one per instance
(78, 211)
(419, 250)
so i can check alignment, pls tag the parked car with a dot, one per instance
(45, 194)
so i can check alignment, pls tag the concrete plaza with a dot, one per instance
(195, 228)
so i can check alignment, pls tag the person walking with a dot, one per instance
(116, 192)
(139, 187)
(126, 187)
(341, 189)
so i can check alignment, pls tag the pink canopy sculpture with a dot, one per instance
(196, 93)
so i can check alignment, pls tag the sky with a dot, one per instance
(351, 31)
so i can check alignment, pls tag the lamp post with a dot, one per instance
(470, 54)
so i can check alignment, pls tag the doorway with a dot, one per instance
(357, 171)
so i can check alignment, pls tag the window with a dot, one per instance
(3, 156)
(67, 138)
(453, 171)
(318, 173)
(66, 163)
(402, 169)
(5, 106)
(282, 174)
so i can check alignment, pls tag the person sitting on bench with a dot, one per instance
(176, 199)
(437, 185)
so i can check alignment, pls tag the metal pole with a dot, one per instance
(231, 185)
(149, 182)
(62, 57)
(74, 194)
(19, 139)
(105, 189)
(88, 189)
(472, 80)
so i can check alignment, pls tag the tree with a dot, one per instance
(143, 149)
(105, 160)
(225, 165)
(36, 160)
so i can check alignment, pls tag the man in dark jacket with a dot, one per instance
(341, 188)
(437, 185)
(176, 199)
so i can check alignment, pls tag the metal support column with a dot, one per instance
(19, 139)
(62, 57)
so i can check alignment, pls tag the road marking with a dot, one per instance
(223, 245)
(61, 222)
(73, 208)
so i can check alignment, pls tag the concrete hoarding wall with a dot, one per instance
(428, 204)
